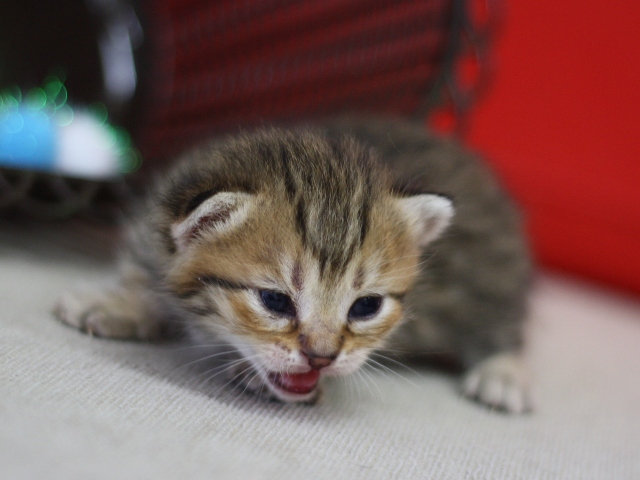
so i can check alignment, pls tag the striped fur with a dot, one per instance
(328, 215)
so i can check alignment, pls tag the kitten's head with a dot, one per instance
(298, 251)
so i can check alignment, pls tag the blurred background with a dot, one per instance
(95, 94)
(560, 123)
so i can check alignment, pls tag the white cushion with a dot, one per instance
(76, 407)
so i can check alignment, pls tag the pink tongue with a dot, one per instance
(296, 382)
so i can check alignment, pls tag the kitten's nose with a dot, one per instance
(316, 362)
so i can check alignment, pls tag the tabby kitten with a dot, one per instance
(303, 248)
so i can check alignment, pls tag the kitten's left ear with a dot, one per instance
(428, 215)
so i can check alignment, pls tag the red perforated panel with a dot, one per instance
(217, 64)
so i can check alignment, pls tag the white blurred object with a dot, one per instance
(121, 35)
(87, 149)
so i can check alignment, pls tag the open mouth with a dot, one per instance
(296, 383)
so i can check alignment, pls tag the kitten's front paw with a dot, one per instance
(106, 315)
(500, 382)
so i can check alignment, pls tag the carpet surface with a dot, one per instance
(76, 407)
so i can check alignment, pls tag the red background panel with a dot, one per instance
(561, 125)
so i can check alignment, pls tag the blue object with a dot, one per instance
(40, 131)
(27, 139)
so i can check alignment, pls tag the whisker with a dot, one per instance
(252, 374)
(357, 386)
(221, 369)
(375, 369)
(375, 384)
(207, 357)
(394, 351)
(230, 362)
(262, 387)
(361, 376)
(205, 345)
(385, 357)
(247, 381)
(393, 371)
(347, 381)
(232, 378)
(213, 372)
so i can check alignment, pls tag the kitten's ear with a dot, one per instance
(220, 213)
(428, 215)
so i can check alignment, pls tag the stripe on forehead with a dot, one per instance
(296, 276)
(330, 187)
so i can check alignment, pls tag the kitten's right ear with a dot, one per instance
(220, 213)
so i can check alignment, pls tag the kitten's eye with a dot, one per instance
(365, 307)
(277, 302)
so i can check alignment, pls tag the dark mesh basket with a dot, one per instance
(212, 66)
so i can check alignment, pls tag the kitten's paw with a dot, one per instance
(500, 382)
(110, 315)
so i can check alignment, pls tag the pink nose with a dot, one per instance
(316, 362)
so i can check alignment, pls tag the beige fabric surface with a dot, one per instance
(76, 407)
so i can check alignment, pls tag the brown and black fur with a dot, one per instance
(326, 194)
(473, 288)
